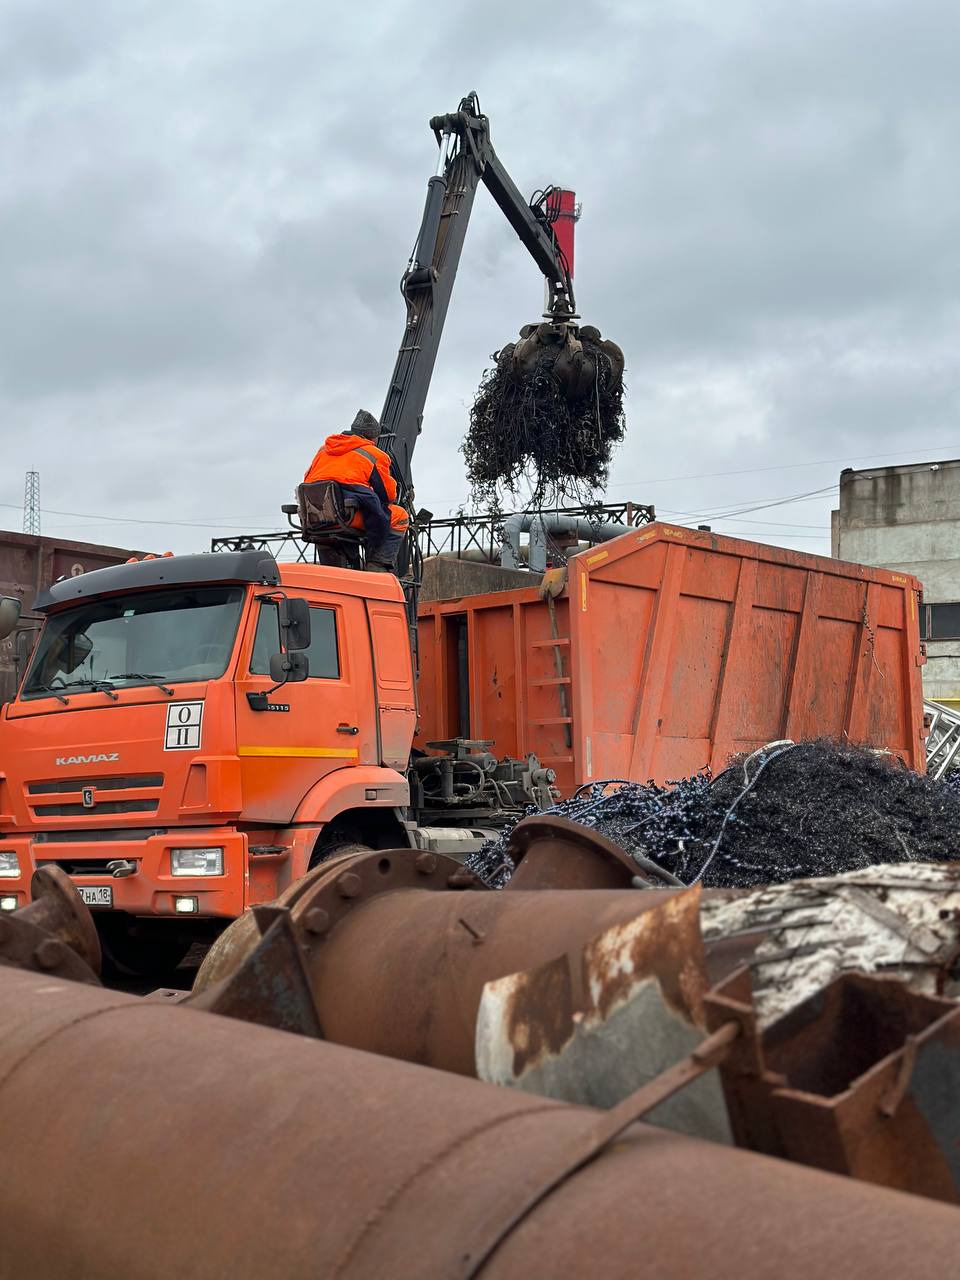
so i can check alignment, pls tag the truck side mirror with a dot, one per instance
(294, 618)
(289, 668)
(9, 615)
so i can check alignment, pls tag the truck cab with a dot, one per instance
(151, 755)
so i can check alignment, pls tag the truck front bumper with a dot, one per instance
(150, 889)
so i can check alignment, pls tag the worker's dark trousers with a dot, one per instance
(376, 522)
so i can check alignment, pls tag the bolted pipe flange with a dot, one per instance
(316, 920)
(335, 889)
(349, 885)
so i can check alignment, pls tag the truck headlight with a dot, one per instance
(9, 866)
(196, 862)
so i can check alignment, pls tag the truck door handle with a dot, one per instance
(347, 728)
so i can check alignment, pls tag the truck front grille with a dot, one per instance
(94, 797)
(94, 835)
(125, 782)
(105, 806)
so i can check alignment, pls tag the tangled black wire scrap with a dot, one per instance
(783, 813)
(523, 425)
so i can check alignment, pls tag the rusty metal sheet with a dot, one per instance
(862, 1079)
(306, 1159)
(594, 1026)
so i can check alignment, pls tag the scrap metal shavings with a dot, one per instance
(817, 809)
(537, 419)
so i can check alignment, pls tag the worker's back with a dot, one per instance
(350, 459)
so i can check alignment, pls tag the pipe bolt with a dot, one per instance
(426, 863)
(349, 885)
(316, 920)
(49, 954)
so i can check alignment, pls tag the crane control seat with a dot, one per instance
(329, 519)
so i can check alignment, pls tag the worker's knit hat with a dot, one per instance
(366, 425)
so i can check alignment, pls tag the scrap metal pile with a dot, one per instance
(787, 812)
(657, 1031)
(550, 410)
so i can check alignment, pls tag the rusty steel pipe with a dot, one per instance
(144, 1141)
(399, 970)
(418, 963)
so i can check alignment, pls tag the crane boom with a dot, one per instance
(467, 157)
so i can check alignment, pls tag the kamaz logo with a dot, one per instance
(101, 759)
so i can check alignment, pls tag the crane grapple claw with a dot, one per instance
(551, 405)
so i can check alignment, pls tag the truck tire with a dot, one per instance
(336, 848)
(128, 955)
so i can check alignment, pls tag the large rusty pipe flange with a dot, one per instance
(54, 933)
(329, 892)
(551, 852)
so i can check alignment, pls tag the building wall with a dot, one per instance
(909, 518)
(28, 565)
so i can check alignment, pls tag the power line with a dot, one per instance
(784, 466)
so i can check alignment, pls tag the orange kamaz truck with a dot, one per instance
(195, 732)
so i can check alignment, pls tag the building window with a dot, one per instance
(942, 621)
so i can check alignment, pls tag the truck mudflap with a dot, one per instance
(136, 875)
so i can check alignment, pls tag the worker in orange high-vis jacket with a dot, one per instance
(361, 469)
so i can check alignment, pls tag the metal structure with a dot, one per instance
(460, 536)
(943, 738)
(31, 503)
(464, 535)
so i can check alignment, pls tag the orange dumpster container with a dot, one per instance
(670, 649)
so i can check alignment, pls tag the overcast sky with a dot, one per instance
(206, 206)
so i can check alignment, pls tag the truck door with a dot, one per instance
(327, 722)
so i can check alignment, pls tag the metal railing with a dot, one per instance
(943, 739)
(454, 535)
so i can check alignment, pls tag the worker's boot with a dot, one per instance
(373, 566)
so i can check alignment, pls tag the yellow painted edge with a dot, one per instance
(313, 753)
(583, 593)
(601, 555)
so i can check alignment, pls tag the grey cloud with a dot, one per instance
(205, 209)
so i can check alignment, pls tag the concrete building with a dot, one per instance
(909, 518)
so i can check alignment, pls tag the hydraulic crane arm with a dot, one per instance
(467, 157)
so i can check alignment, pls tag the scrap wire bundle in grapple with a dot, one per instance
(787, 812)
(550, 410)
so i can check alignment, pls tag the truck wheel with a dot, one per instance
(336, 849)
(128, 952)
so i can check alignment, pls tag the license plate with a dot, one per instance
(96, 895)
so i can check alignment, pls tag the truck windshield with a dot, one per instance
(185, 633)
